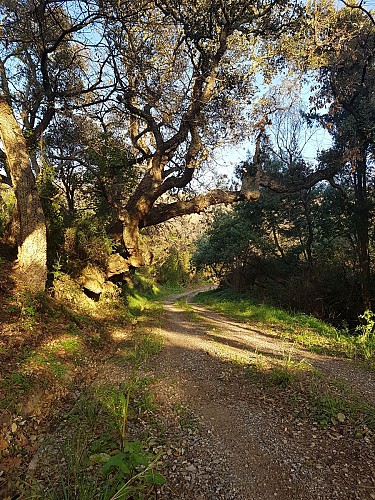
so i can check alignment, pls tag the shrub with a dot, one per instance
(86, 241)
(175, 270)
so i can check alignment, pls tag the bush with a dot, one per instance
(7, 203)
(87, 242)
(175, 270)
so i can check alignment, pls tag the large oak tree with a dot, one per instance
(186, 79)
(180, 78)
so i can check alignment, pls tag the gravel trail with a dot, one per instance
(247, 441)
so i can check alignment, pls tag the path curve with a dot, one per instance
(250, 444)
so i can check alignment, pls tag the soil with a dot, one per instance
(228, 432)
(252, 443)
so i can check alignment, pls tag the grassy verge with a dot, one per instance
(106, 454)
(310, 395)
(51, 351)
(305, 330)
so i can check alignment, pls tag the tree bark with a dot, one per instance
(31, 238)
(163, 212)
(362, 228)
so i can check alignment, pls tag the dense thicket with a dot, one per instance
(314, 249)
(298, 251)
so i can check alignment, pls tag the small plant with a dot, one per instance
(133, 467)
(326, 408)
(145, 346)
(116, 401)
(281, 376)
(366, 334)
(186, 417)
(31, 306)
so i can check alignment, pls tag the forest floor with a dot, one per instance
(230, 411)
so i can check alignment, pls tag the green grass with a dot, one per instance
(101, 459)
(189, 311)
(332, 409)
(301, 328)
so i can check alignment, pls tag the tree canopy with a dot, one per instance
(128, 102)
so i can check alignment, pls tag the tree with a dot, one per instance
(91, 162)
(179, 76)
(347, 80)
(32, 243)
(185, 77)
(41, 68)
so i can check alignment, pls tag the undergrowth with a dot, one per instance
(66, 338)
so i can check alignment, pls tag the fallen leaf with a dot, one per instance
(100, 458)
(3, 444)
(12, 462)
(22, 439)
(14, 427)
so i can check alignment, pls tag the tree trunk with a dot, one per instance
(362, 229)
(310, 234)
(31, 238)
(138, 255)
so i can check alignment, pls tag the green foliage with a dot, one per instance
(113, 172)
(366, 334)
(116, 400)
(330, 409)
(140, 294)
(294, 250)
(281, 377)
(144, 283)
(100, 460)
(3, 221)
(175, 270)
(31, 307)
(145, 345)
(367, 329)
(54, 210)
(7, 204)
(132, 467)
(326, 408)
(86, 241)
(188, 310)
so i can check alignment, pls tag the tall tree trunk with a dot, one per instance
(31, 238)
(306, 202)
(138, 254)
(362, 229)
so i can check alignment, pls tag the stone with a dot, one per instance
(116, 265)
(92, 281)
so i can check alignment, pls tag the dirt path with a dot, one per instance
(246, 440)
